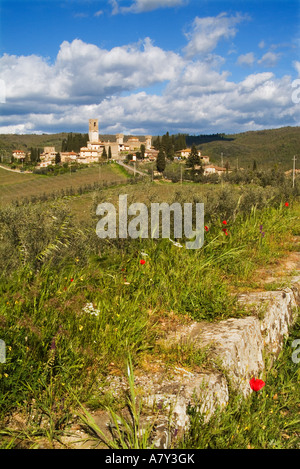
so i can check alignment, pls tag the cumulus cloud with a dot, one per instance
(207, 32)
(296, 65)
(84, 72)
(141, 6)
(197, 92)
(246, 59)
(269, 59)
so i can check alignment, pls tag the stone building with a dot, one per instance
(19, 154)
(48, 154)
(118, 147)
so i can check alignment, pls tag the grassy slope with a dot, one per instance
(17, 186)
(267, 147)
(53, 345)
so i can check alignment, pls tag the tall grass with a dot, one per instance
(72, 306)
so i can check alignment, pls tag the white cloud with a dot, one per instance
(207, 32)
(269, 59)
(296, 65)
(98, 13)
(141, 6)
(246, 59)
(113, 85)
(262, 44)
(85, 73)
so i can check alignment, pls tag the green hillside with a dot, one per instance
(267, 147)
(9, 142)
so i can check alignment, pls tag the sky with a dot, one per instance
(149, 66)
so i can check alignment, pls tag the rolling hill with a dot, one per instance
(269, 148)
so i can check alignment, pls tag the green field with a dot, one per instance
(17, 186)
(74, 307)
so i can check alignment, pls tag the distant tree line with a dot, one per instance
(199, 139)
(169, 144)
(74, 142)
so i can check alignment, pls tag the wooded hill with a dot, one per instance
(268, 148)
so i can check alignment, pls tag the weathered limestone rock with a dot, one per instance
(203, 391)
(238, 345)
(278, 309)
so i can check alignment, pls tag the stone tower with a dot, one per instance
(120, 139)
(93, 130)
(148, 141)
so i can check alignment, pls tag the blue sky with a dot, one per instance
(148, 66)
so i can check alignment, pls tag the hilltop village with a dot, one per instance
(97, 150)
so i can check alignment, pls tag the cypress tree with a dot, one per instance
(193, 158)
(57, 158)
(161, 161)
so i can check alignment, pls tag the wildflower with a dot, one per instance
(90, 309)
(256, 384)
(53, 344)
(175, 244)
(286, 204)
(80, 328)
(224, 222)
(142, 262)
(206, 228)
(71, 280)
(260, 228)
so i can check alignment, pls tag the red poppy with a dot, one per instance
(71, 279)
(286, 204)
(225, 230)
(256, 384)
(206, 228)
(224, 222)
(142, 262)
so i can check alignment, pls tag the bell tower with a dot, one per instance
(93, 130)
